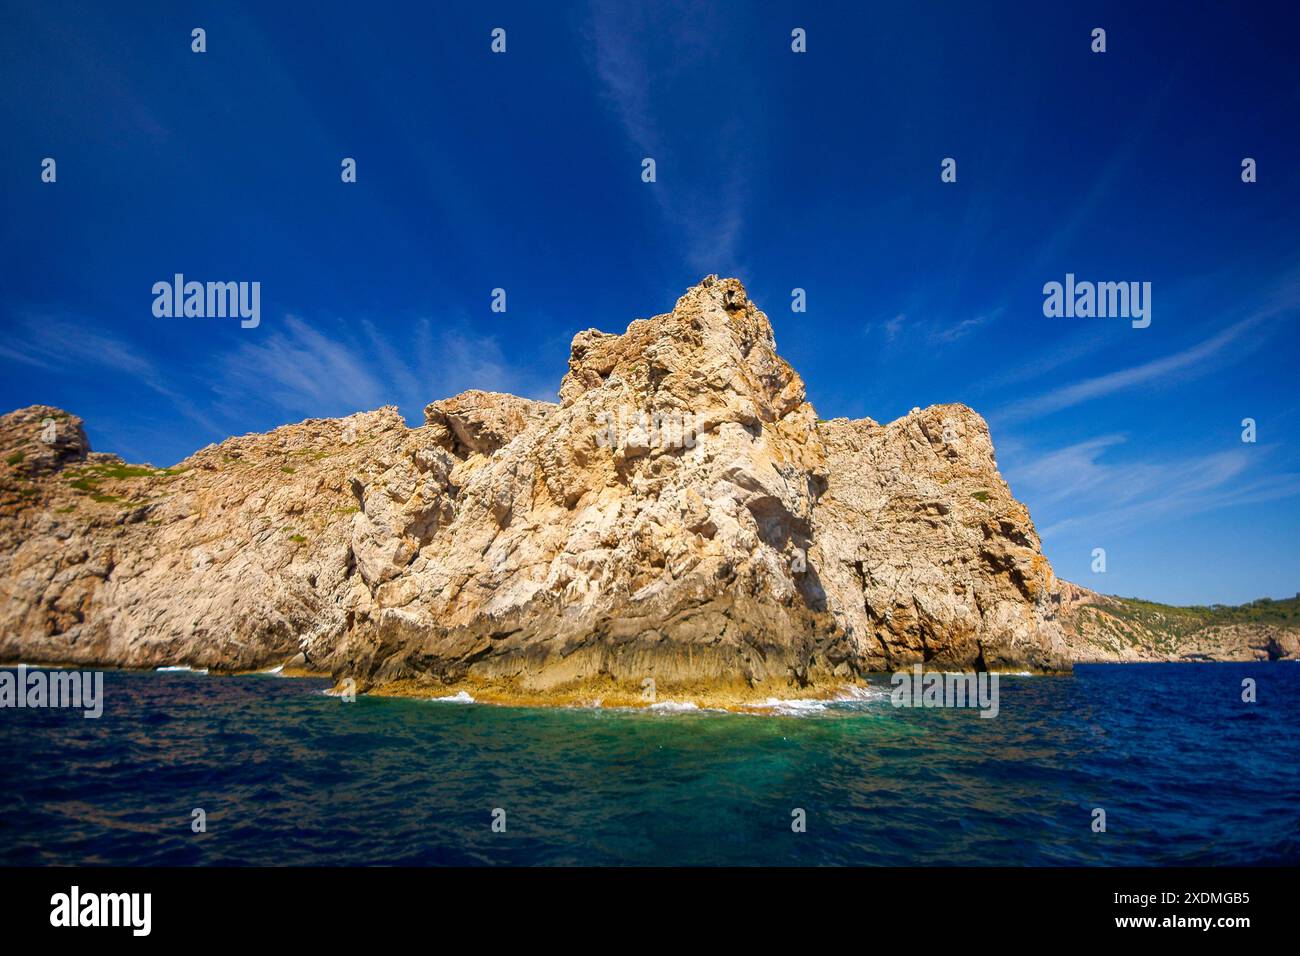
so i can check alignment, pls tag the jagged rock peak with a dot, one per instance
(41, 439)
(714, 349)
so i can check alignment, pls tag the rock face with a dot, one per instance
(928, 555)
(679, 521)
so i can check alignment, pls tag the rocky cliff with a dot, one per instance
(679, 523)
(1104, 628)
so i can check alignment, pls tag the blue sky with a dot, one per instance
(818, 171)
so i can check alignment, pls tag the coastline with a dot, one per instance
(735, 697)
(597, 693)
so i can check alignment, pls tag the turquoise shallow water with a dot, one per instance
(1186, 772)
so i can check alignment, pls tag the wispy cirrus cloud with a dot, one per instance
(294, 369)
(890, 328)
(1078, 487)
(1086, 342)
(336, 368)
(56, 342)
(947, 333)
(1196, 358)
(68, 345)
(932, 331)
(706, 212)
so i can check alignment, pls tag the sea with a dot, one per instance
(1135, 765)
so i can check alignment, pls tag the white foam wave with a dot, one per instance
(675, 706)
(859, 692)
(184, 668)
(803, 706)
(791, 706)
(462, 698)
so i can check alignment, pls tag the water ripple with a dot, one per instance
(1186, 772)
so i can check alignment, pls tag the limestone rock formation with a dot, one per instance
(929, 555)
(679, 522)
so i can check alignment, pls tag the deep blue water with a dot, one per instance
(1186, 772)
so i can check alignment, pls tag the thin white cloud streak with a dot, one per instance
(1090, 338)
(621, 66)
(298, 369)
(1126, 378)
(709, 218)
(930, 330)
(945, 335)
(54, 343)
(1105, 497)
(66, 346)
(291, 369)
(1082, 345)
